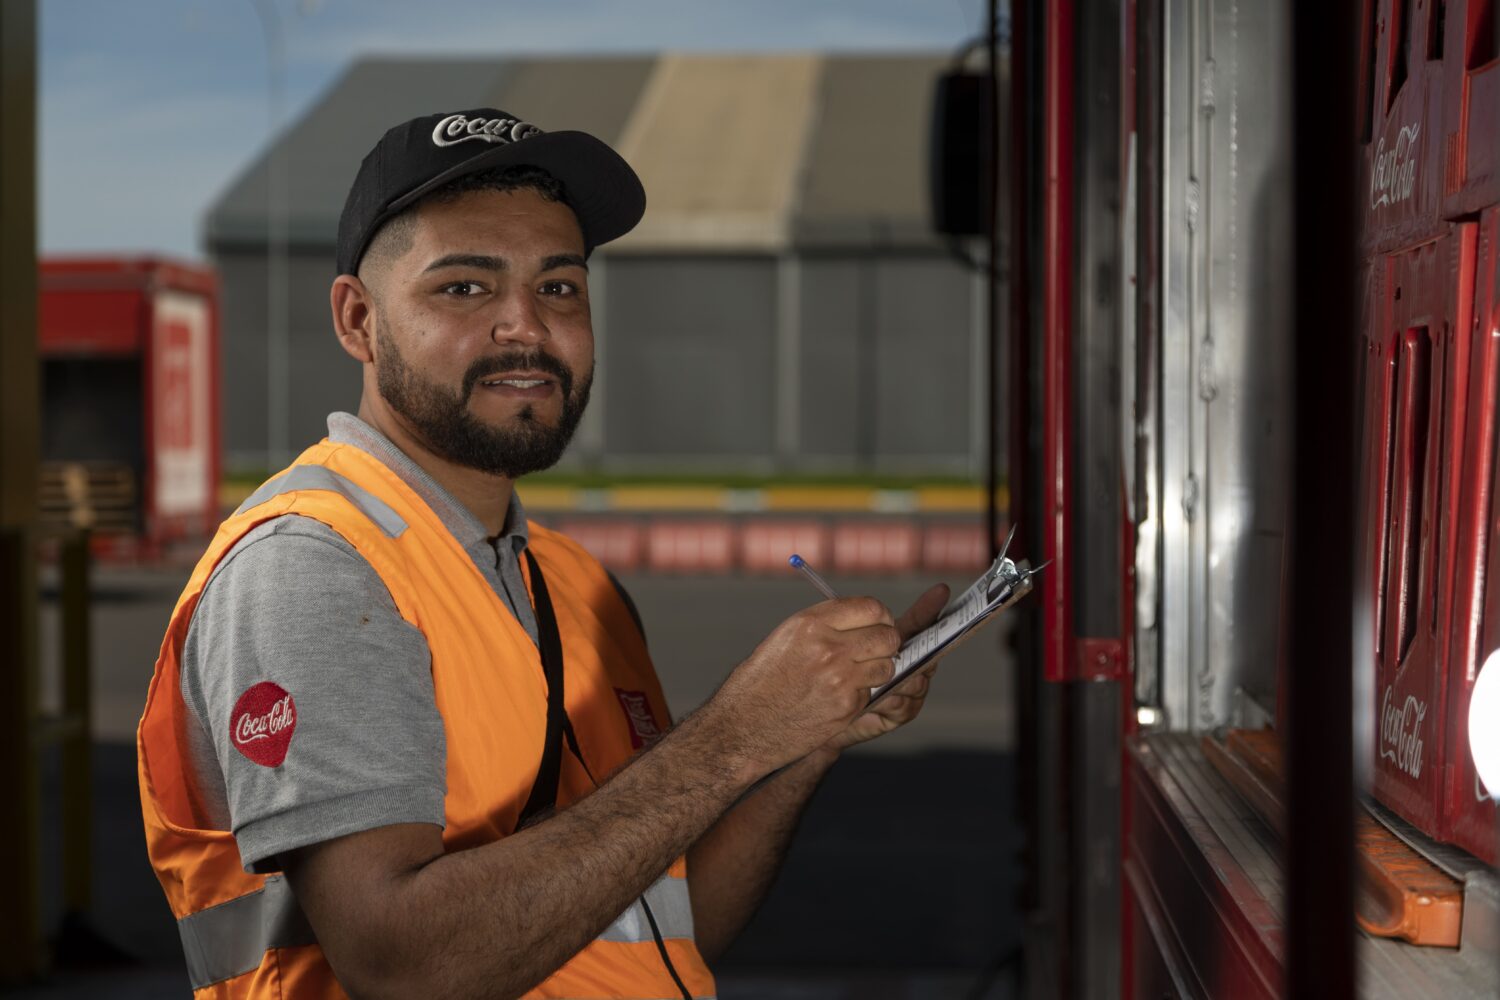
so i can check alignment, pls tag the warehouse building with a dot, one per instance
(783, 307)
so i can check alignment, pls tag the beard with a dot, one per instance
(441, 417)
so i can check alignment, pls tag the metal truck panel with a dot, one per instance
(1207, 889)
(1218, 378)
(1205, 867)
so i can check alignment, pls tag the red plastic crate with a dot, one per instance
(766, 545)
(1471, 107)
(876, 547)
(1416, 393)
(1468, 812)
(618, 544)
(693, 546)
(1403, 157)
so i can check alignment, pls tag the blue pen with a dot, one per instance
(812, 575)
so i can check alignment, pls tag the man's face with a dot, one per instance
(484, 347)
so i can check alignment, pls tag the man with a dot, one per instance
(400, 741)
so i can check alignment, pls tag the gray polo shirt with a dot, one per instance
(295, 605)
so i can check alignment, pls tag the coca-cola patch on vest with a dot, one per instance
(643, 728)
(262, 723)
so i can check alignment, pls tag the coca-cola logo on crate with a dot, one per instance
(1394, 174)
(1401, 732)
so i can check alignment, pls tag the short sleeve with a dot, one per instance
(314, 694)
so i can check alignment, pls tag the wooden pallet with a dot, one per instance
(99, 496)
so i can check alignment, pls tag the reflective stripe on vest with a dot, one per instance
(317, 477)
(232, 938)
(670, 905)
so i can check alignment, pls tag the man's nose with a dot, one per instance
(518, 320)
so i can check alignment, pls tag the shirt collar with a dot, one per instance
(346, 428)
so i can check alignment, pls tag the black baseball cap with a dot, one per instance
(419, 156)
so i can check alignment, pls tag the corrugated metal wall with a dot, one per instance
(887, 348)
(690, 358)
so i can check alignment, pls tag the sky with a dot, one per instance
(148, 109)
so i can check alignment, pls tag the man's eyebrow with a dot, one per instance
(558, 260)
(484, 262)
(476, 260)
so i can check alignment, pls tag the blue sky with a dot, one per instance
(149, 108)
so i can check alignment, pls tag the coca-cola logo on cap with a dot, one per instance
(262, 723)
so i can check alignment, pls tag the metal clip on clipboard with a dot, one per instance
(996, 589)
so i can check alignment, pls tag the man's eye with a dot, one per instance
(462, 288)
(558, 288)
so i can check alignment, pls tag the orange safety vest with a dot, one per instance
(244, 935)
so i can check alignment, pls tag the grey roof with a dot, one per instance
(738, 153)
(718, 141)
(866, 167)
(324, 148)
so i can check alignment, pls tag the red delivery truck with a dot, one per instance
(130, 398)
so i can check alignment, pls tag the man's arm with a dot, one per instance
(397, 916)
(733, 866)
(295, 604)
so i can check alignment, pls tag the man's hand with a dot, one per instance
(732, 867)
(904, 701)
(805, 683)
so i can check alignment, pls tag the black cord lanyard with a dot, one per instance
(544, 789)
(549, 641)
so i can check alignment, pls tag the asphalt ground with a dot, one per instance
(900, 885)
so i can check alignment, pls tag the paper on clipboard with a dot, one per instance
(997, 588)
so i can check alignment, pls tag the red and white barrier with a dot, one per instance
(954, 547)
(619, 544)
(876, 547)
(766, 545)
(696, 546)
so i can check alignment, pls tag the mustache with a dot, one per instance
(537, 361)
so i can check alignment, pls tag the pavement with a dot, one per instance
(901, 883)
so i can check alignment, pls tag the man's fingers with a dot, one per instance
(897, 708)
(873, 673)
(854, 612)
(923, 611)
(915, 685)
(912, 688)
(872, 642)
(893, 705)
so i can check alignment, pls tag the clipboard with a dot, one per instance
(997, 588)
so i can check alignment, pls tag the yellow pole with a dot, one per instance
(20, 934)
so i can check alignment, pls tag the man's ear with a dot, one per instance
(353, 317)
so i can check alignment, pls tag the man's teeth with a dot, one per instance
(519, 383)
